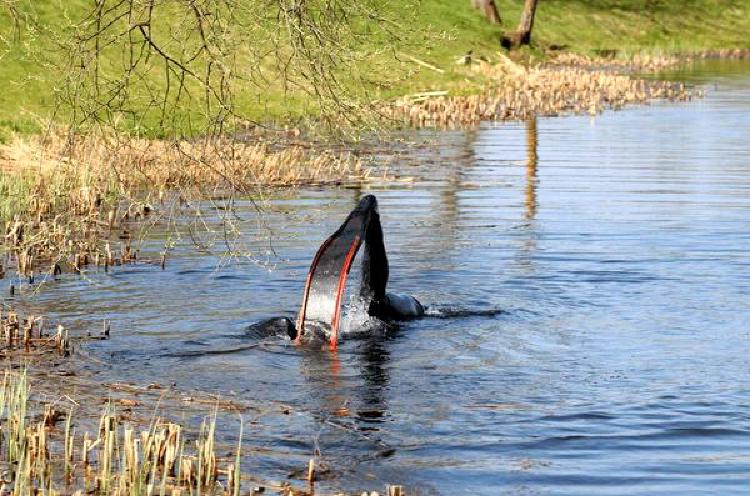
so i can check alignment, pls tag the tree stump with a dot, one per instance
(522, 35)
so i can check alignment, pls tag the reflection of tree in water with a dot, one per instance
(532, 158)
(456, 159)
(528, 241)
(454, 183)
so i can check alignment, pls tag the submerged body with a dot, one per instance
(393, 308)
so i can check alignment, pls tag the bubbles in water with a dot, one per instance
(356, 319)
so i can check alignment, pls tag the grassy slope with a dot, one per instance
(653, 25)
(27, 82)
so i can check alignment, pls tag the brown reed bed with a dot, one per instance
(724, 53)
(29, 336)
(47, 454)
(162, 164)
(638, 62)
(642, 62)
(515, 92)
(70, 202)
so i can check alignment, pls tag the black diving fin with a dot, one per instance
(326, 281)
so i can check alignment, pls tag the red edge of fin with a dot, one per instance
(340, 293)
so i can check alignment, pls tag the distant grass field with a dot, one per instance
(439, 32)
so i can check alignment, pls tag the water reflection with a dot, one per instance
(322, 370)
(532, 159)
(375, 371)
(352, 383)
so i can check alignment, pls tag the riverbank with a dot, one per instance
(68, 201)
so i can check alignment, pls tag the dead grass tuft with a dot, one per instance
(69, 202)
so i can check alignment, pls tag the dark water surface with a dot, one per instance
(617, 248)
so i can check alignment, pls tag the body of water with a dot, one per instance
(616, 248)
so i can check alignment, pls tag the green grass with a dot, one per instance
(650, 25)
(32, 67)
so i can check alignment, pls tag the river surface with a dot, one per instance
(616, 248)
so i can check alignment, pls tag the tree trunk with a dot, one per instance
(522, 35)
(489, 10)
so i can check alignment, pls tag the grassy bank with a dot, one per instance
(431, 35)
(630, 26)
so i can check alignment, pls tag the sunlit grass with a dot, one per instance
(435, 31)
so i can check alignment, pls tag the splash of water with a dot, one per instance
(357, 320)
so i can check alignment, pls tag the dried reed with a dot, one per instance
(68, 203)
(116, 460)
(514, 92)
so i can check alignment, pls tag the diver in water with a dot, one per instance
(320, 314)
